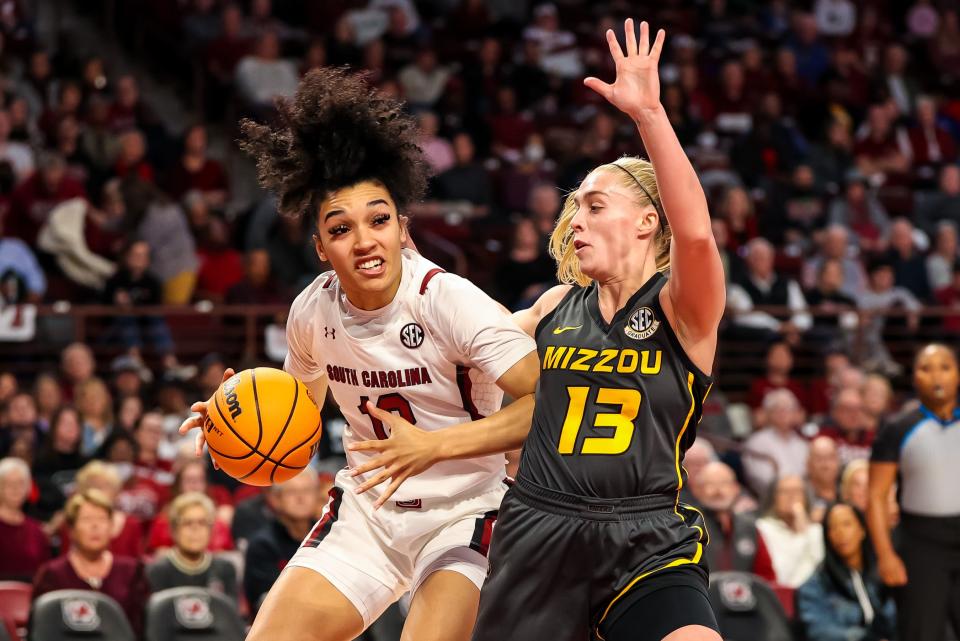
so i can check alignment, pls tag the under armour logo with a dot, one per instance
(330, 332)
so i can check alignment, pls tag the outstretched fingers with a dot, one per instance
(658, 45)
(615, 49)
(630, 37)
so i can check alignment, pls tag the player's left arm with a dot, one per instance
(696, 289)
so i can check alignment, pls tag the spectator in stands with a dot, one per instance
(832, 158)
(794, 540)
(835, 18)
(19, 424)
(128, 111)
(76, 366)
(191, 479)
(737, 209)
(835, 245)
(833, 311)
(945, 253)
(221, 266)
(60, 451)
(847, 425)
(295, 504)
(49, 397)
(196, 171)
(909, 266)
(35, 198)
(125, 532)
(152, 217)
(942, 205)
(860, 211)
(258, 286)
(67, 144)
(25, 545)
(881, 151)
(931, 146)
(96, 412)
(264, 75)
(881, 296)
(853, 484)
(69, 97)
(90, 565)
(18, 261)
(132, 157)
(777, 440)
(18, 154)
(877, 399)
(762, 286)
(527, 271)
(23, 127)
(777, 375)
(823, 475)
(423, 81)
(735, 544)
(190, 562)
(98, 141)
(950, 297)
(544, 207)
(844, 598)
(129, 411)
(133, 286)
(813, 57)
(129, 376)
(803, 207)
(437, 151)
(466, 179)
(250, 515)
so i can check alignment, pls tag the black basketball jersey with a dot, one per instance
(617, 405)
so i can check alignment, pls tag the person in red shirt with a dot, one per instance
(131, 160)
(90, 565)
(777, 376)
(25, 546)
(196, 171)
(126, 532)
(847, 425)
(221, 266)
(35, 197)
(949, 296)
(192, 477)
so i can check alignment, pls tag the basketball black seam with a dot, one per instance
(293, 408)
(240, 458)
(256, 404)
(292, 450)
(253, 450)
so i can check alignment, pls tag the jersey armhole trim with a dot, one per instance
(549, 316)
(705, 379)
(428, 277)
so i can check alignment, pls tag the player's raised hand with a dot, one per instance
(407, 452)
(637, 85)
(200, 407)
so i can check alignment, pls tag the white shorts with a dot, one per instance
(374, 557)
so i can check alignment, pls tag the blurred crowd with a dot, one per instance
(825, 133)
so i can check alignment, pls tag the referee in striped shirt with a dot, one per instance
(920, 449)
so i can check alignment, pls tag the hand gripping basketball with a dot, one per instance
(200, 407)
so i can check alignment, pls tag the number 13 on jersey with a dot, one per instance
(621, 421)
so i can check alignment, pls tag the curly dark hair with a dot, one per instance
(335, 132)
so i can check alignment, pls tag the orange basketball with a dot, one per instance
(263, 426)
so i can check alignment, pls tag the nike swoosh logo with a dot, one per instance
(560, 330)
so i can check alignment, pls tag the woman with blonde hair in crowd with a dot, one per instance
(92, 399)
(126, 532)
(90, 565)
(189, 561)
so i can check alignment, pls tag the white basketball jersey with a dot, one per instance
(434, 357)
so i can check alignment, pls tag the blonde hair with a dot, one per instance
(846, 479)
(186, 501)
(97, 469)
(91, 496)
(637, 176)
(92, 386)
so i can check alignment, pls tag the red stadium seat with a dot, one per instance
(15, 606)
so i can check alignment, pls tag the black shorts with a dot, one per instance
(566, 568)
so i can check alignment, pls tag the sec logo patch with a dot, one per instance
(411, 335)
(642, 324)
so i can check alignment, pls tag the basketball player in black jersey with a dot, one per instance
(592, 539)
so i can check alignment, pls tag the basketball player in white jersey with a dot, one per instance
(386, 331)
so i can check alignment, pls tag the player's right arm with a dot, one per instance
(529, 318)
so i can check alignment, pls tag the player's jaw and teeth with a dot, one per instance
(359, 233)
